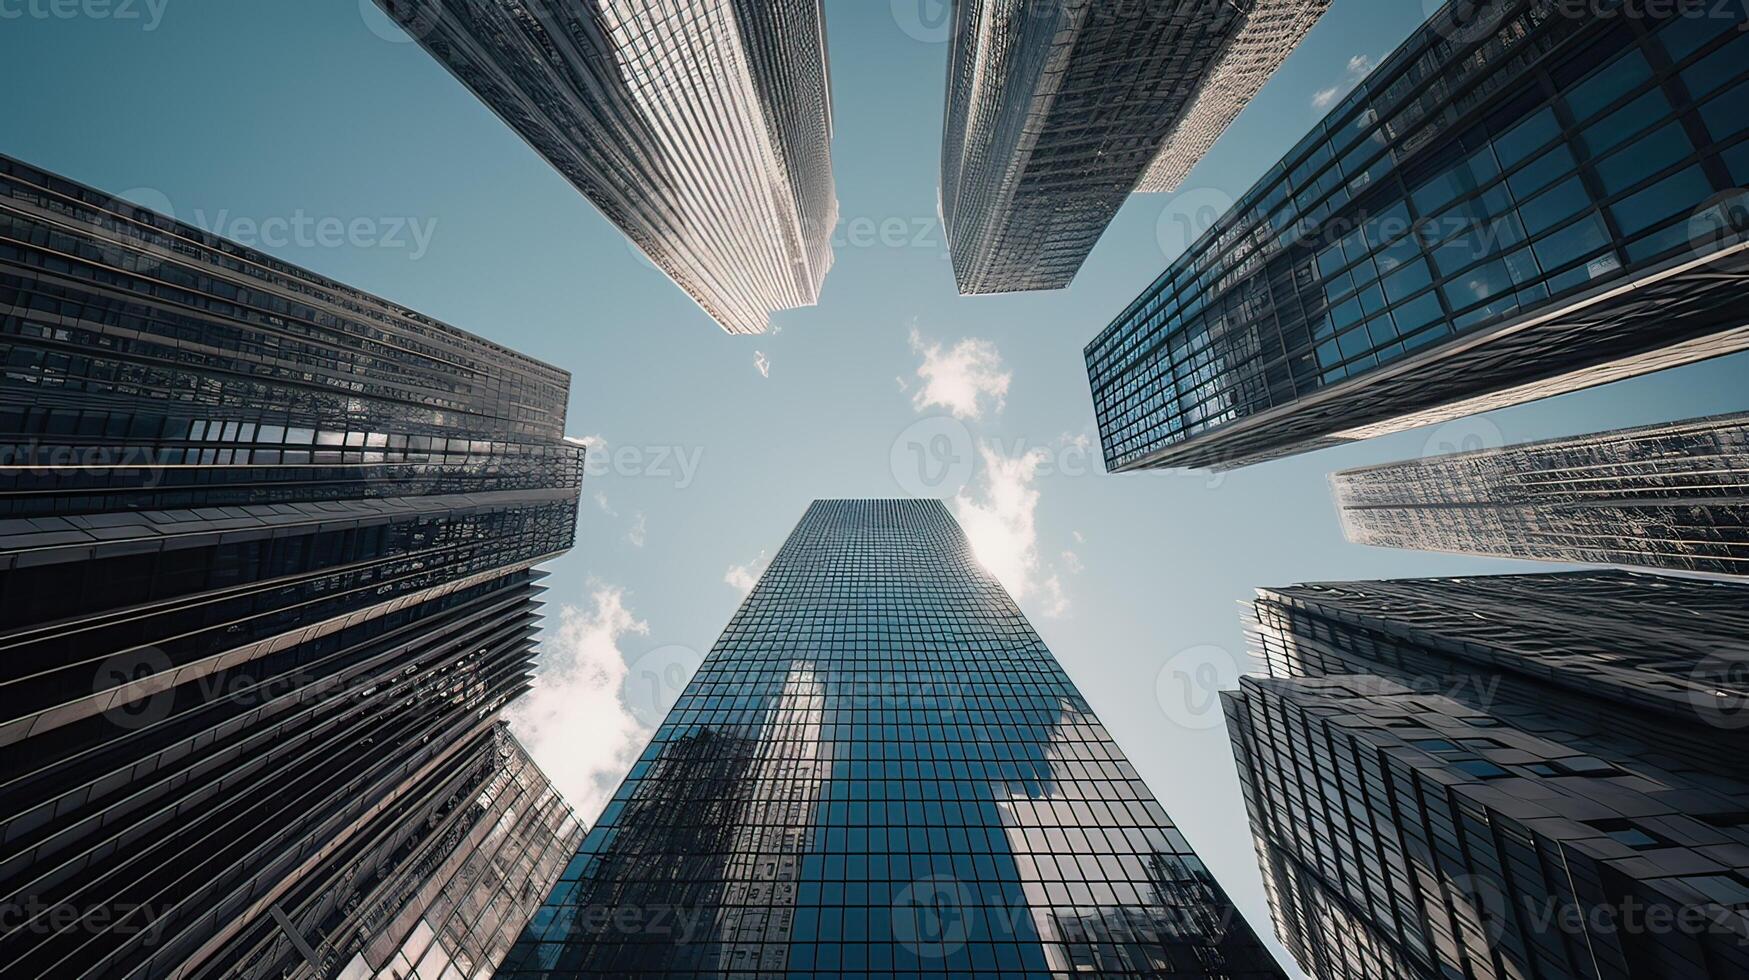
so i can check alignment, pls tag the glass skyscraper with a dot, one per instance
(1057, 111)
(1518, 202)
(1670, 496)
(703, 129)
(1502, 776)
(268, 551)
(880, 770)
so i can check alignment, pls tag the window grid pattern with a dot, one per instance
(702, 129)
(880, 770)
(1461, 186)
(266, 567)
(1663, 496)
(1500, 776)
(1057, 111)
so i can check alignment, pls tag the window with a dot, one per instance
(1480, 768)
(1723, 889)
(1643, 158)
(1679, 192)
(1615, 80)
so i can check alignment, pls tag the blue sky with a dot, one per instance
(257, 118)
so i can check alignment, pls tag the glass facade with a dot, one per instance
(1502, 776)
(1663, 496)
(470, 873)
(703, 130)
(1056, 112)
(267, 564)
(880, 770)
(1492, 216)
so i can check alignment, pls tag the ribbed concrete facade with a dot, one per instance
(701, 129)
(267, 556)
(1672, 497)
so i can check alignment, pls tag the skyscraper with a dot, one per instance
(880, 770)
(702, 130)
(1516, 203)
(268, 551)
(1670, 496)
(1502, 776)
(1057, 111)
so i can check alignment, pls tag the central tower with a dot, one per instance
(881, 770)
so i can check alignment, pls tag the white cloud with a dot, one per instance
(1358, 68)
(742, 578)
(903, 387)
(639, 531)
(960, 379)
(1072, 562)
(1002, 526)
(574, 721)
(763, 363)
(601, 501)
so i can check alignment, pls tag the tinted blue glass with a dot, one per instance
(1675, 194)
(1612, 129)
(1643, 158)
(1554, 205)
(880, 770)
(1684, 35)
(1532, 134)
(1728, 112)
(1581, 238)
(1541, 172)
(1613, 82)
(1737, 159)
(1717, 68)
